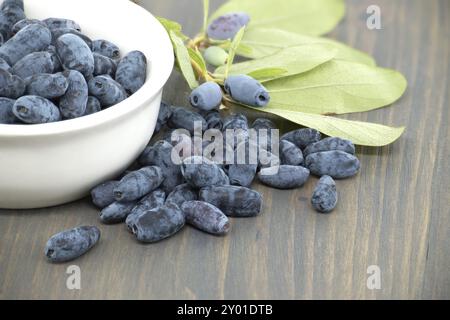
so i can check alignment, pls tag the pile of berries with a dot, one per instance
(185, 178)
(50, 71)
(169, 188)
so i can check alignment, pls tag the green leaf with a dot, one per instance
(205, 14)
(170, 25)
(313, 17)
(360, 133)
(184, 60)
(197, 58)
(243, 50)
(268, 73)
(258, 43)
(293, 60)
(337, 87)
(232, 52)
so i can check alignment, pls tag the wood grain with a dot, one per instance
(394, 214)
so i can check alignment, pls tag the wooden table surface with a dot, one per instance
(395, 214)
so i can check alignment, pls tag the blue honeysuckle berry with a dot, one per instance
(302, 137)
(92, 106)
(75, 54)
(32, 38)
(183, 192)
(106, 48)
(132, 71)
(165, 112)
(206, 217)
(137, 184)
(36, 110)
(108, 91)
(57, 23)
(73, 103)
(284, 176)
(234, 201)
(290, 154)
(104, 65)
(33, 64)
(158, 224)
(56, 33)
(10, 14)
(246, 90)
(336, 164)
(57, 66)
(183, 118)
(213, 119)
(103, 194)
(226, 26)
(325, 198)
(11, 86)
(263, 123)
(153, 201)
(12, 3)
(160, 155)
(330, 144)
(71, 244)
(48, 86)
(199, 172)
(242, 174)
(117, 212)
(19, 25)
(206, 97)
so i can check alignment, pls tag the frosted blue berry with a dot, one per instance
(246, 90)
(70, 244)
(225, 27)
(325, 197)
(206, 97)
(35, 110)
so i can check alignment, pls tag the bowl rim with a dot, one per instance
(146, 93)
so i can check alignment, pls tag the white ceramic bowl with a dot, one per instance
(51, 164)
